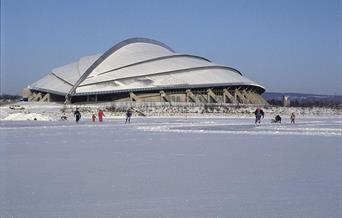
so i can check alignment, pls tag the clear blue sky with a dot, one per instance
(284, 45)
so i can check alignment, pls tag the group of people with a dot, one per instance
(100, 115)
(277, 119)
(259, 113)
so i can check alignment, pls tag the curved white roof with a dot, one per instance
(138, 64)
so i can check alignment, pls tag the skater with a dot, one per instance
(77, 114)
(93, 117)
(101, 115)
(64, 117)
(277, 119)
(129, 114)
(293, 116)
(258, 114)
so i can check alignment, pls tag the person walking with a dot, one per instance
(100, 115)
(77, 114)
(258, 114)
(129, 114)
(93, 117)
(293, 116)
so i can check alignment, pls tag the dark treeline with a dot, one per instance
(9, 97)
(298, 103)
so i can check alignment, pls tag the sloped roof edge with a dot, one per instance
(180, 86)
(111, 51)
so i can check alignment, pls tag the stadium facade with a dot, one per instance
(145, 70)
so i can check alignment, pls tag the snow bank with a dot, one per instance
(54, 111)
(30, 116)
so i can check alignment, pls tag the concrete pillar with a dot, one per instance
(164, 97)
(257, 98)
(227, 95)
(45, 98)
(190, 97)
(133, 97)
(261, 100)
(37, 96)
(31, 97)
(241, 97)
(249, 97)
(211, 95)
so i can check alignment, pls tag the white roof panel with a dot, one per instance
(51, 82)
(148, 68)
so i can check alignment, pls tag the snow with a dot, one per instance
(170, 167)
(54, 111)
(26, 116)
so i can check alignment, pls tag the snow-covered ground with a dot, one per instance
(171, 167)
(54, 111)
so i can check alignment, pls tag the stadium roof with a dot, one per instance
(138, 64)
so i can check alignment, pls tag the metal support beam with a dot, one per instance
(257, 98)
(211, 95)
(227, 95)
(31, 97)
(190, 97)
(248, 97)
(261, 100)
(164, 97)
(45, 98)
(241, 97)
(133, 97)
(37, 97)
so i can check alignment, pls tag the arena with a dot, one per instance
(145, 70)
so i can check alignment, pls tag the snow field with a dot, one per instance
(171, 167)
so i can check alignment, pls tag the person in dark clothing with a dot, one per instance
(293, 116)
(277, 119)
(77, 114)
(129, 114)
(258, 114)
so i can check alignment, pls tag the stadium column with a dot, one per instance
(248, 97)
(37, 96)
(190, 96)
(164, 97)
(45, 98)
(211, 95)
(226, 94)
(32, 96)
(133, 97)
(241, 97)
(257, 98)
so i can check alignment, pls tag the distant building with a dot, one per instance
(140, 69)
(286, 101)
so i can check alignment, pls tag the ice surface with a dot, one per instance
(171, 167)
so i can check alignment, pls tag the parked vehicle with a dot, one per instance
(16, 107)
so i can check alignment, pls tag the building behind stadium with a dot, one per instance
(145, 70)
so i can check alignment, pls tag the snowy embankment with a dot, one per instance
(54, 111)
(27, 116)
